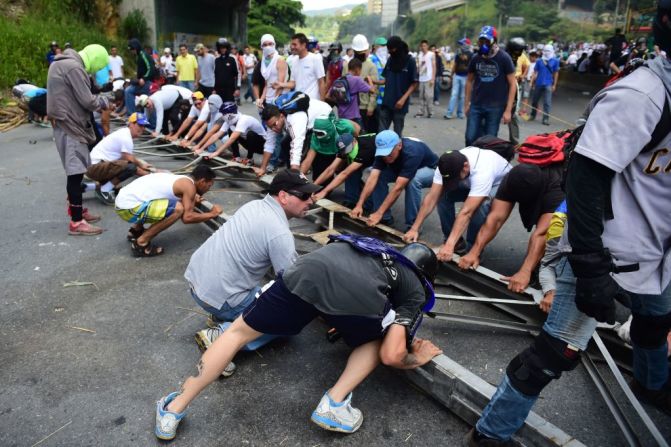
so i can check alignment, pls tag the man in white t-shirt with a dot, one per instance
(200, 112)
(307, 70)
(161, 199)
(472, 176)
(298, 126)
(168, 66)
(250, 63)
(427, 79)
(112, 159)
(115, 64)
(239, 129)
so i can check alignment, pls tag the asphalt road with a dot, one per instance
(88, 362)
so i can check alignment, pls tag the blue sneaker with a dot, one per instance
(340, 417)
(167, 421)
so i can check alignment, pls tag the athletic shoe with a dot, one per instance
(461, 248)
(106, 197)
(341, 417)
(204, 340)
(436, 103)
(419, 115)
(430, 115)
(475, 439)
(270, 169)
(447, 117)
(213, 322)
(167, 421)
(83, 228)
(660, 399)
(90, 218)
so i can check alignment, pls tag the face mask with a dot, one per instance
(268, 50)
(484, 49)
(334, 56)
(232, 119)
(382, 54)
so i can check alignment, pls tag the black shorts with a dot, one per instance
(277, 311)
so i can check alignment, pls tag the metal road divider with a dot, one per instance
(458, 389)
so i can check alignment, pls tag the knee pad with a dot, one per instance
(648, 331)
(540, 363)
(129, 171)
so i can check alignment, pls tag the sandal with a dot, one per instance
(134, 234)
(145, 251)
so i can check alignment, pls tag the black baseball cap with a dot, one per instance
(450, 165)
(292, 180)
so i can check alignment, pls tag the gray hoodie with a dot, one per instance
(69, 98)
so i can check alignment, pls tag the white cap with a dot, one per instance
(167, 50)
(267, 38)
(141, 100)
(360, 43)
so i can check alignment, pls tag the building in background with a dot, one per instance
(433, 5)
(374, 6)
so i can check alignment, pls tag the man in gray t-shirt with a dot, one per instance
(225, 273)
(205, 83)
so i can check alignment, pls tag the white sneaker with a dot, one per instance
(205, 338)
(167, 421)
(341, 417)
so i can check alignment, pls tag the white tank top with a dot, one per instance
(148, 187)
(270, 74)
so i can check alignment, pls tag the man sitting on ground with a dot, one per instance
(161, 199)
(225, 273)
(112, 160)
(376, 311)
(538, 192)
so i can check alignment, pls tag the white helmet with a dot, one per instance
(360, 43)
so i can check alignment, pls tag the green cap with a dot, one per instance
(381, 41)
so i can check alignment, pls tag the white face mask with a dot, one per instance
(382, 54)
(267, 51)
(232, 119)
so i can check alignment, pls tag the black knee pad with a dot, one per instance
(540, 363)
(129, 171)
(649, 332)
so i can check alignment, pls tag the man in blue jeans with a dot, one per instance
(490, 88)
(462, 60)
(544, 80)
(616, 244)
(472, 176)
(409, 164)
(145, 74)
(224, 274)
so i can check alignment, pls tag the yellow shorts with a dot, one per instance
(149, 212)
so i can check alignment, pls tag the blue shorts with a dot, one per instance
(279, 312)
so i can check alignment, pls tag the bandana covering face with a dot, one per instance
(232, 118)
(548, 52)
(382, 54)
(268, 51)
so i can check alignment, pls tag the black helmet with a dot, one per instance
(516, 44)
(335, 46)
(423, 257)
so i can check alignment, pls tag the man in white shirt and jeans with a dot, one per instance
(427, 79)
(307, 70)
(115, 64)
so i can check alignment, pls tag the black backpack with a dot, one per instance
(504, 148)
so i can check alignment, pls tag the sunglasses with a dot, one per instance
(300, 195)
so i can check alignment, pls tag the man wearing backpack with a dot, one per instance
(617, 245)
(374, 302)
(345, 92)
(538, 192)
(472, 176)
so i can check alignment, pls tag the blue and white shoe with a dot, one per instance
(167, 421)
(341, 417)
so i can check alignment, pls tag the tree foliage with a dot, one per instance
(276, 17)
(135, 25)
(359, 22)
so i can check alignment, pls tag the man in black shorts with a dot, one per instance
(376, 311)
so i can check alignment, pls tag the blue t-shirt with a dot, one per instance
(414, 155)
(545, 70)
(490, 88)
(397, 83)
(103, 76)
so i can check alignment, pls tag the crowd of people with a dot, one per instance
(331, 117)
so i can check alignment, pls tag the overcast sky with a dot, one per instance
(321, 4)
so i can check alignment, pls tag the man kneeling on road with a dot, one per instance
(376, 311)
(225, 273)
(407, 162)
(159, 200)
(112, 160)
(538, 192)
(470, 175)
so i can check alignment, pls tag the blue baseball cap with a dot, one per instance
(138, 118)
(345, 143)
(488, 32)
(385, 142)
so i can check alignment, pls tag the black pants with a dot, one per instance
(253, 142)
(206, 91)
(370, 123)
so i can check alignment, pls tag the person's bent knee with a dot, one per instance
(545, 360)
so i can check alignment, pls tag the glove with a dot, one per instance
(596, 289)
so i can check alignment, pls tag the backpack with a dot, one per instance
(292, 102)
(389, 255)
(335, 70)
(504, 148)
(340, 91)
(548, 148)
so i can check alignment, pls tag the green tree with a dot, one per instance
(276, 17)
